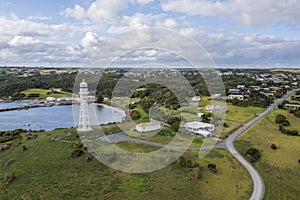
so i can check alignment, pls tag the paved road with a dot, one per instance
(228, 143)
(258, 184)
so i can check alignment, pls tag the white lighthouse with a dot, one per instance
(84, 123)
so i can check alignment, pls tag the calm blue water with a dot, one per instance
(49, 118)
(16, 103)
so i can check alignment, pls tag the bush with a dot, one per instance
(91, 156)
(135, 115)
(280, 118)
(225, 125)
(212, 167)
(253, 154)
(76, 153)
(77, 144)
(33, 95)
(292, 132)
(197, 172)
(9, 177)
(285, 123)
(181, 161)
(297, 113)
(273, 146)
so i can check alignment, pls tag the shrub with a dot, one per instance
(280, 118)
(135, 115)
(297, 113)
(91, 156)
(253, 154)
(9, 177)
(181, 161)
(273, 146)
(76, 153)
(285, 123)
(77, 144)
(212, 167)
(33, 95)
(197, 173)
(189, 164)
(292, 132)
(225, 125)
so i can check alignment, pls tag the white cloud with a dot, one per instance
(168, 23)
(246, 12)
(77, 12)
(142, 2)
(39, 17)
(90, 40)
(100, 11)
(22, 40)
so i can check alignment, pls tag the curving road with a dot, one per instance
(258, 184)
(228, 143)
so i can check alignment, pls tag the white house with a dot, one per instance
(50, 99)
(200, 114)
(239, 97)
(218, 108)
(234, 91)
(148, 126)
(200, 128)
(241, 86)
(196, 98)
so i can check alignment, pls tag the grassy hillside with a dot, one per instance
(43, 93)
(47, 171)
(279, 168)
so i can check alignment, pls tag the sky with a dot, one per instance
(233, 33)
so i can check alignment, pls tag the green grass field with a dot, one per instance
(46, 171)
(242, 114)
(279, 168)
(44, 95)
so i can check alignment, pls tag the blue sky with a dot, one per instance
(234, 32)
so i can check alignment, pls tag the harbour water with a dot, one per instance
(49, 118)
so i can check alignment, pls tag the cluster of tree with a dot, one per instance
(281, 119)
(296, 113)
(12, 86)
(287, 131)
(174, 122)
(252, 154)
(162, 97)
(255, 99)
(194, 167)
